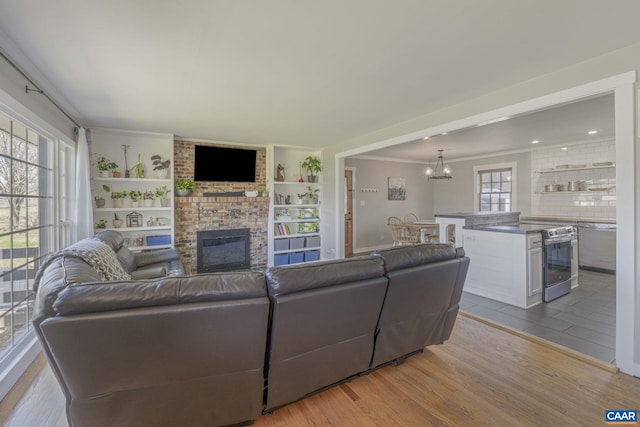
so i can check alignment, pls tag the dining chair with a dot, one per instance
(401, 233)
(410, 218)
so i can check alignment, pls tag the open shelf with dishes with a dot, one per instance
(573, 168)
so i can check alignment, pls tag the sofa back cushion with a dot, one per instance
(425, 286)
(323, 324)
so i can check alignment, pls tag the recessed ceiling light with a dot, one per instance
(535, 141)
(444, 133)
(564, 148)
(593, 132)
(425, 138)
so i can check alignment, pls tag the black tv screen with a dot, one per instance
(224, 164)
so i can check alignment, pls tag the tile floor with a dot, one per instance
(584, 320)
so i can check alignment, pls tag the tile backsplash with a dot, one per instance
(599, 199)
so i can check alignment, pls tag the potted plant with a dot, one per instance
(161, 193)
(117, 222)
(105, 166)
(161, 167)
(102, 223)
(148, 197)
(135, 196)
(118, 198)
(313, 165)
(310, 197)
(138, 168)
(184, 187)
(100, 201)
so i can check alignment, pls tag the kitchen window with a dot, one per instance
(495, 187)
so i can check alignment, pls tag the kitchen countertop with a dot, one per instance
(470, 214)
(510, 228)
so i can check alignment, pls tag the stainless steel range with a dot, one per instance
(556, 262)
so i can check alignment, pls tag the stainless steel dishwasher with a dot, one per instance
(597, 246)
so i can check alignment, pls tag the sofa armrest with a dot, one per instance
(151, 272)
(154, 257)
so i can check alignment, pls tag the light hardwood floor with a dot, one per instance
(482, 376)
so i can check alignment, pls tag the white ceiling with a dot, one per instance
(563, 124)
(295, 71)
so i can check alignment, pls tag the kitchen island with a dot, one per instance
(506, 256)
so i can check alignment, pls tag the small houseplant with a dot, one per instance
(105, 166)
(313, 165)
(310, 197)
(100, 201)
(135, 196)
(148, 197)
(161, 167)
(102, 223)
(117, 222)
(138, 168)
(118, 198)
(161, 193)
(184, 187)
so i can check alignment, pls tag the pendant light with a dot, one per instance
(439, 170)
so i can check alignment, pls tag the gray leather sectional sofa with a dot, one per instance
(224, 348)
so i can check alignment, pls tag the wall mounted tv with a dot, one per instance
(224, 164)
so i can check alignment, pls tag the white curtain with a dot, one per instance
(83, 215)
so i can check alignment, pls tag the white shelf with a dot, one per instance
(111, 179)
(293, 206)
(295, 220)
(126, 229)
(155, 208)
(577, 192)
(288, 251)
(286, 236)
(147, 248)
(586, 168)
(142, 146)
(293, 183)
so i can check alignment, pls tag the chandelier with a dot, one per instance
(439, 170)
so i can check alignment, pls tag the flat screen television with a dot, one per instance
(224, 164)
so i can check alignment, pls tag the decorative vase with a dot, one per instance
(162, 173)
(135, 204)
(148, 203)
(100, 203)
(117, 223)
(311, 178)
(104, 174)
(164, 202)
(182, 192)
(117, 174)
(118, 203)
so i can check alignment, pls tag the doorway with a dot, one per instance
(348, 212)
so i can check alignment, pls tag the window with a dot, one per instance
(495, 190)
(26, 224)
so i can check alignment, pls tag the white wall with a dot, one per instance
(373, 208)
(593, 204)
(457, 194)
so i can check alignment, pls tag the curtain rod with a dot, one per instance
(37, 89)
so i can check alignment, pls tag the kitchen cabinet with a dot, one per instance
(574, 263)
(148, 225)
(534, 265)
(503, 267)
(295, 226)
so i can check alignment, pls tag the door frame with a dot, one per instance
(353, 209)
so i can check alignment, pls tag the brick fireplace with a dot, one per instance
(208, 209)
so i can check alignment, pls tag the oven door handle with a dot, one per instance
(559, 239)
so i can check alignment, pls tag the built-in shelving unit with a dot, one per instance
(585, 168)
(295, 228)
(149, 227)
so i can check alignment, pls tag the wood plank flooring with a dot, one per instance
(482, 376)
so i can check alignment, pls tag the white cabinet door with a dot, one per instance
(534, 271)
(574, 263)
